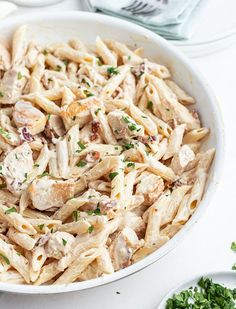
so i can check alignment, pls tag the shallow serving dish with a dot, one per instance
(226, 278)
(66, 25)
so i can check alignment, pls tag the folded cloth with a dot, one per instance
(169, 18)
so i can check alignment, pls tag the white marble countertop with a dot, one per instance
(207, 245)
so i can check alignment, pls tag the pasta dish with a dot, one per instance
(100, 159)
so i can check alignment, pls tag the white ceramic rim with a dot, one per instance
(188, 283)
(85, 16)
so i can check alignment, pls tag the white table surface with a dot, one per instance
(207, 245)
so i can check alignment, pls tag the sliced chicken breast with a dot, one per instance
(16, 166)
(26, 115)
(47, 193)
(124, 126)
(12, 85)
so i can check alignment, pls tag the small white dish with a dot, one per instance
(226, 278)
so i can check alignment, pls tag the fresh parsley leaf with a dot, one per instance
(4, 133)
(99, 61)
(81, 163)
(127, 146)
(81, 146)
(112, 71)
(97, 110)
(58, 68)
(5, 259)
(88, 93)
(234, 266)
(90, 229)
(75, 215)
(233, 246)
(207, 295)
(19, 75)
(132, 127)
(64, 242)
(41, 226)
(65, 62)
(1, 94)
(44, 174)
(150, 105)
(125, 119)
(10, 210)
(113, 175)
(131, 164)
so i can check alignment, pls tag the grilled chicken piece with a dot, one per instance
(59, 244)
(150, 186)
(79, 112)
(16, 166)
(123, 247)
(5, 59)
(12, 85)
(133, 221)
(124, 126)
(181, 159)
(26, 115)
(46, 193)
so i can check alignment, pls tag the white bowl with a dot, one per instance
(61, 26)
(226, 278)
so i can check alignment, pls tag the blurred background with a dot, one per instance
(197, 27)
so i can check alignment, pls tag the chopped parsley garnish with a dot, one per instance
(207, 295)
(45, 52)
(26, 175)
(10, 210)
(4, 133)
(49, 116)
(58, 68)
(132, 127)
(127, 146)
(88, 93)
(129, 57)
(112, 71)
(81, 163)
(131, 164)
(167, 109)
(113, 175)
(5, 259)
(36, 165)
(99, 61)
(150, 105)
(65, 62)
(234, 266)
(125, 119)
(97, 212)
(81, 146)
(64, 242)
(75, 215)
(90, 229)
(0, 169)
(41, 226)
(96, 111)
(1, 94)
(144, 116)
(44, 174)
(74, 118)
(19, 75)
(233, 246)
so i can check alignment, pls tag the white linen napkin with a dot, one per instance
(172, 19)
